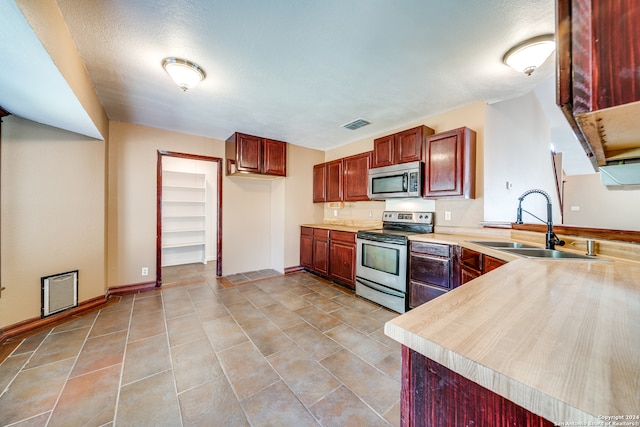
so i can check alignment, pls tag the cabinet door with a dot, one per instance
(491, 263)
(320, 183)
(408, 145)
(334, 181)
(450, 164)
(342, 258)
(467, 274)
(383, 149)
(356, 177)
(306, 248)
(274, 157)
(321, 255)
(249, 153)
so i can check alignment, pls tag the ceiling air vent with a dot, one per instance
(357, 123)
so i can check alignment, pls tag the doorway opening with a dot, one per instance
(188, 214)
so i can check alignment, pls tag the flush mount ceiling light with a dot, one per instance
(185, 74)
(530, 54)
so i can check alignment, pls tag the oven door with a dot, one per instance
(382, 263)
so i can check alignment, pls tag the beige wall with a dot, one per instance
(53, 214)
(464, 213)
(255, 232)
(599, 206)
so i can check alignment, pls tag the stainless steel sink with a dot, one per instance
(501, 245)
(548, 254)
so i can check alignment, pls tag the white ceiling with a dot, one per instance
(288, 69)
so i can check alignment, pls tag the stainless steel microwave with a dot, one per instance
(396, 181)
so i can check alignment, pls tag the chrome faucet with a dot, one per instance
(551, 239)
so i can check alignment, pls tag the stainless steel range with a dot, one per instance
(382, 257)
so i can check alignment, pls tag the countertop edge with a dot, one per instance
(528, 397)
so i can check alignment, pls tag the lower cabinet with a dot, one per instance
(474, 264)
(434, 395)
(329, 253)
(342, 257)
(431, 271)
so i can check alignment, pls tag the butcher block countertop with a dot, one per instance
(560, 338)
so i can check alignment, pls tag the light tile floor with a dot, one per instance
(289, 350)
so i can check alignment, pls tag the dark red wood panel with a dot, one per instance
(334, 181)
(320, 183)
(409, 145)
(433, 395)
(356, 177)
(274, 157)
(383, 151)
(249, 153)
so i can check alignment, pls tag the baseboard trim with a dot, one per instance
(291, 270)
(131, 289)
(37, 322)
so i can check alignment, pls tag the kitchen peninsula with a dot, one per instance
(557, 338)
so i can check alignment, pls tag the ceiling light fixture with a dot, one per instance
(185, 74)
(530, 54)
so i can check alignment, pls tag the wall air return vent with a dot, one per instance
(356, 124)
(59, 292)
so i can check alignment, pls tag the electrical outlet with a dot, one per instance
(575, 208)
(145, 271)
(447, 216)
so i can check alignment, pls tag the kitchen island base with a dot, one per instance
(433, 395)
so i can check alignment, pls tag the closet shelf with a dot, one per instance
(183, 245)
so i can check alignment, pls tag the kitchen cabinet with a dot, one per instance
(356, 177)
(474, 264)
(329, 253)
(342, 257)
(334, 181)
(598, 49)
(306, 247)
(248, 154)
(320, 183)
(343, 179)
(401, 147)
(449, 164)
(431, 271)
(314, 249)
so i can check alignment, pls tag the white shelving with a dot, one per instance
(183, 218)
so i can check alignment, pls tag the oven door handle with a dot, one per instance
(379, 288)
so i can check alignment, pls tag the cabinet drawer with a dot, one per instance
(306, 231)
(430, 270)
(431, 249)
(343, 236)
(321, 233)
(419, 293)
(471, 259)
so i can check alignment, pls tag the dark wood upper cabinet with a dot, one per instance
(356, 177)
(383, 149)
(320, 183)
(248, 154)
(401, 147)
(343, 179)
(274, 157)
(334, 181)
(450, 159)
(598, 88)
